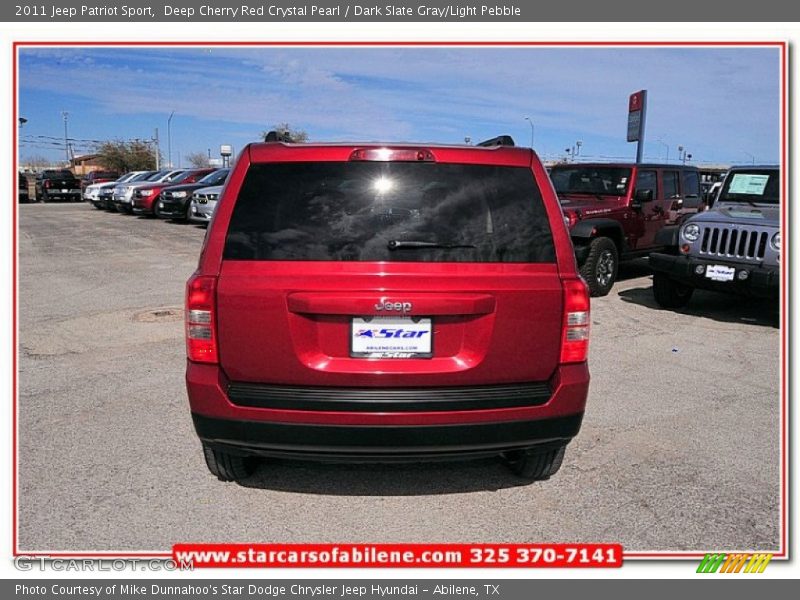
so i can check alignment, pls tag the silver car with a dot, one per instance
(204, 203)
(92, 192)
(123, 193)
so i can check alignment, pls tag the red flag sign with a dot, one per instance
(636, 101)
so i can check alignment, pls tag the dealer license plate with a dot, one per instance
(391, 337)
(720, 273)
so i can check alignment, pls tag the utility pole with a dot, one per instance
(65, 116)
(169, 137)
(158, 152)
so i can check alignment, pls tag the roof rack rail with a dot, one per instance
(278, 136)
(500, 140)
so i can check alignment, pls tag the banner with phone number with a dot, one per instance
(398, 555)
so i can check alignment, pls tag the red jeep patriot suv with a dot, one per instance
(384, 303)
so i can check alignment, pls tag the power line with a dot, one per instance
(61, 138)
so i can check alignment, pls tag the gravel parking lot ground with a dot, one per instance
(679, 449)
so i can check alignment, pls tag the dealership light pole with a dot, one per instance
(65, 116)
(169, 138)
(752, 158)
(530, 122)
(158, 151)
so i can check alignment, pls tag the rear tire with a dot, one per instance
(669, 293)
(228, 467)
(600, 268)
(536, 464)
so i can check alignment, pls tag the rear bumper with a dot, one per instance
(761, 282)
(59, 195)
(376, 442)
(402, 428)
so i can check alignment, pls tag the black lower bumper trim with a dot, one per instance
(760, 282)
(382, 441)
(389, 400)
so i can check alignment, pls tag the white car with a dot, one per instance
(204, 203)
(92, 192)
(123, 194)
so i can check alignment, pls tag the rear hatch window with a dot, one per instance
(396, 211)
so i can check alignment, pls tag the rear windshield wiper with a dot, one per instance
(415, 244)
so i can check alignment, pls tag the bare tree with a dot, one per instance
(35, 162)
(198, 159)
(297, 135)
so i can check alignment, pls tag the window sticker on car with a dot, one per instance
(748, 183)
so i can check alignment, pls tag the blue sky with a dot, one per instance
(721, 104)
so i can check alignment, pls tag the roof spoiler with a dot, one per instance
(278, 136)
(500, 140)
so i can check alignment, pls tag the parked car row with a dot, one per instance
(175, 201)
(167, 193)
(616, 212)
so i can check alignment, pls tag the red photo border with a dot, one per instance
(782, 552)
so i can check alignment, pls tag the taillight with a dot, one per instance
(575, 340)
(46, 183)
(570, 219)
(201, 335)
